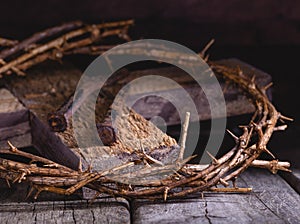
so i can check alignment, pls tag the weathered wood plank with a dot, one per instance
(14, 121)
(292, 178)
(148, 104)
(65, 212)
(185, 211)
(46, 88)
(43, 90)
(272, 201)
(275, 193)
(53, 208)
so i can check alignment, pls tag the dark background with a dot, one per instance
(265, 34)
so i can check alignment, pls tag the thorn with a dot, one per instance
(206, 58)
(281, 120)
(20, 178)
(181, 163)
(149, 157)
(234, 182)
(286, 169)
(12, 147)
(224, 183)
(207, 46)
(80, 165)
(166, 193)
(243, 126)
(254, 116)
(240, 72)
(253, 79)
(215, 161)
(286, 118)
(233, 135)
(51, 165)
(39, 190)
(7, 182)
(271, 154)
(29, 192)
(267, 86)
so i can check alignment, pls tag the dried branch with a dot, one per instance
(273, 165)
(78, 36)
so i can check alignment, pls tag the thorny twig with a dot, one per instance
(74, 37)
(46, 175)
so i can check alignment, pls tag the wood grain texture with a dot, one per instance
(53, 208)
(272, 201)
(64, 212)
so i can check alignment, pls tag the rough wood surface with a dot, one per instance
(14, 121)
(64, 212)
(272, 201)
(45, 88)
(53, 208)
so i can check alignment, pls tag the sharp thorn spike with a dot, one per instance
(286, 118)
(215, 161)
(12, 147)
(233, 135)
(268, 86)
(271, 154)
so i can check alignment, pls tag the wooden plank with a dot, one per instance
(185, 211)
(272, 201)
(14, 121)
(64, 212)
(275, 193)
(45, 88)
(53, 208)
(152, 105)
